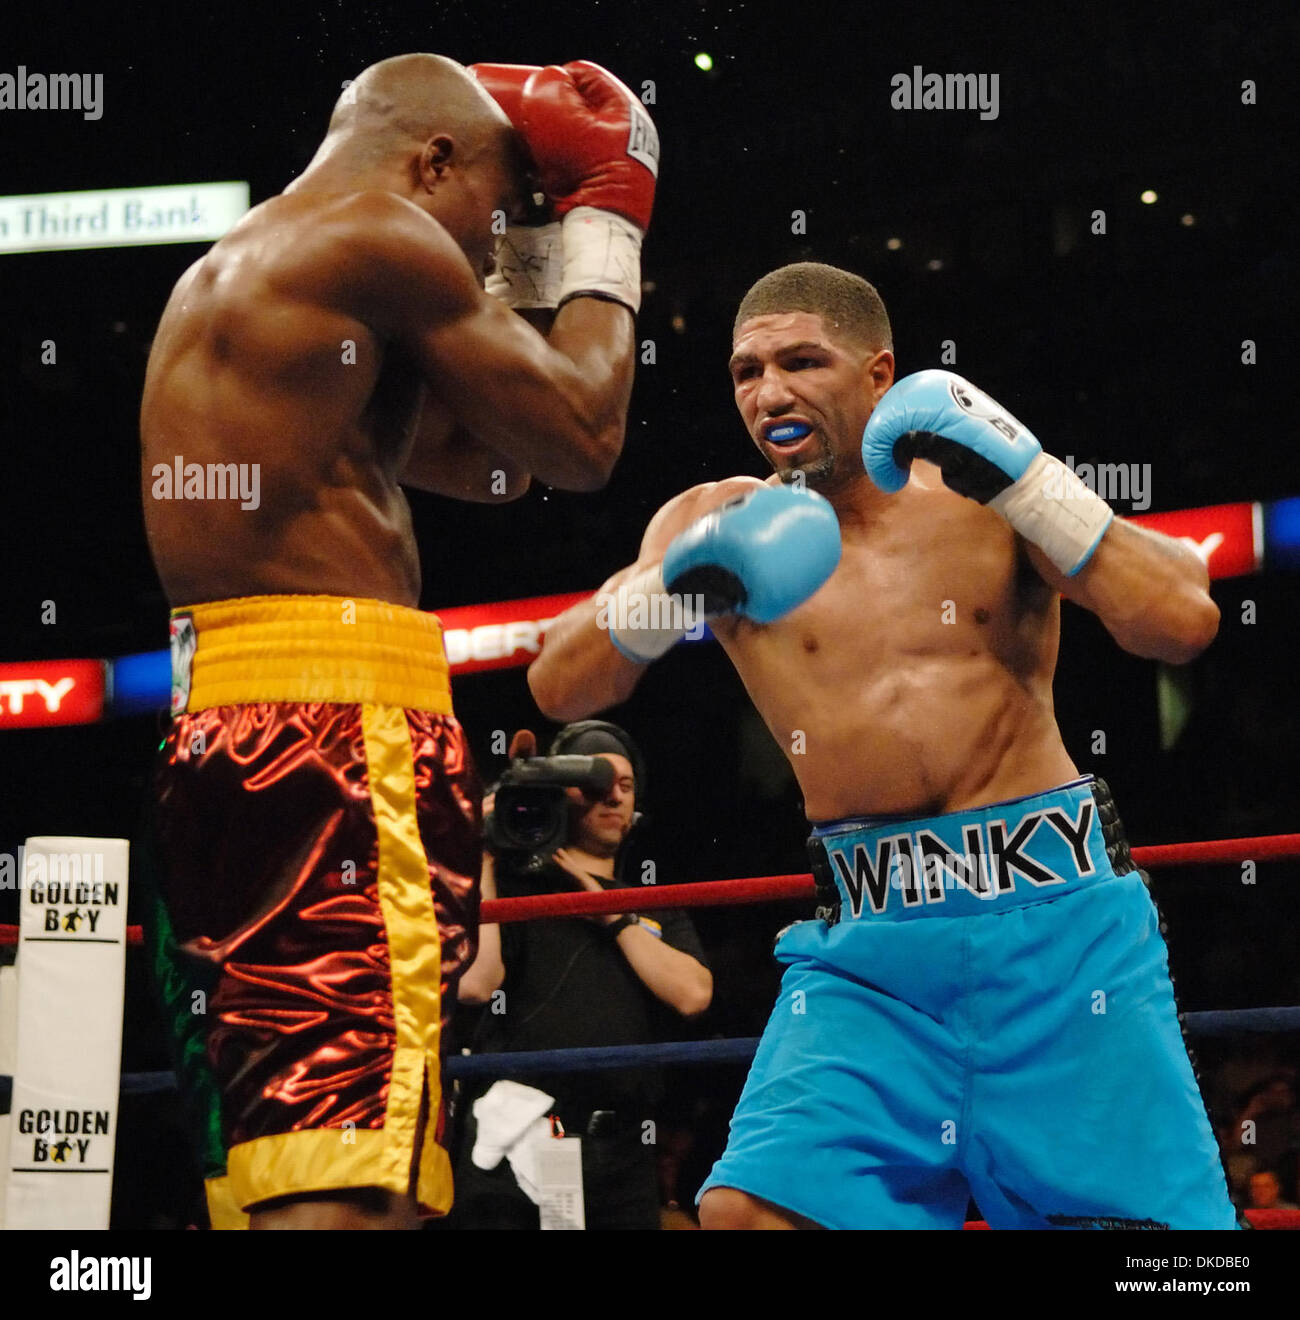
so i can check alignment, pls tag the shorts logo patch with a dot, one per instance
(184, 641)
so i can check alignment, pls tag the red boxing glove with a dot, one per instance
(597, 155)
(528, 269)
(505, 84)
(593, 141)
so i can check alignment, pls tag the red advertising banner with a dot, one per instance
(40, 692)
(1228, 538)
(501, 635)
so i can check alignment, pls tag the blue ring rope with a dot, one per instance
(526, 1063)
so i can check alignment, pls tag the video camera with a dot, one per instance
(530, 814)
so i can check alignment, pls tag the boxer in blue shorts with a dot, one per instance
(982, 1005)
(1015, 1034)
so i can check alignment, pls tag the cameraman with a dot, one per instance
(580, 981)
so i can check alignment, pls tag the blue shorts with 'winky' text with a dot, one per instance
(983, 1008)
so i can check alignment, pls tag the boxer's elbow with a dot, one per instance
(566, 689)
(559, 691)
(503, 487)
(1174, 631)
(515, 486)
(1194, 628)
(548, 688)
(1187, 611)
(595, 453)
(507, 479)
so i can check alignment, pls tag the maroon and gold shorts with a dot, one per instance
(316, 872)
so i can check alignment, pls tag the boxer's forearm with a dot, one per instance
(672, 976)
(599, 338)
(566, 409)
(1150, 592)
(554, 405)
(579, 672)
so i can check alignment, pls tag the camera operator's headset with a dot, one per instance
(591, 737)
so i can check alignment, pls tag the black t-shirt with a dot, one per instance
(568, 984)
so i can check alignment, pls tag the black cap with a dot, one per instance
(591, 737)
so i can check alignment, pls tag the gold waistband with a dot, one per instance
(312, 648)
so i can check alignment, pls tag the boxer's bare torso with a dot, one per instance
(918, 680)
(261, 359)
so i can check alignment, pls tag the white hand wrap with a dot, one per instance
(643, 620)
(602, 256)
(1051, 507)
(529, 266)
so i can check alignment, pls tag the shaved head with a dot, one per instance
(422, 127)
(394, 107)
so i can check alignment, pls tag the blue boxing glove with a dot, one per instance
(758, 555)
(985, 454)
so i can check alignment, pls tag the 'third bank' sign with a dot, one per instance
(120, 217)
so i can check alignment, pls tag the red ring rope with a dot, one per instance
(769, 888)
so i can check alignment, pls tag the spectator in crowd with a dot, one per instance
(1266, 1192)
(1267, 1124)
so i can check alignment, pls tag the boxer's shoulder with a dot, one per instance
(684, 508)
(709, 495)
(356, 240)
(281, 224)
(380, 229)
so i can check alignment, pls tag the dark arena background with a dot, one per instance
(1155, 336)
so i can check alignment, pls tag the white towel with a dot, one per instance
(508, 1115)
(523, 1158)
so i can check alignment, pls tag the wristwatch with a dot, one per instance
(616, 927)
